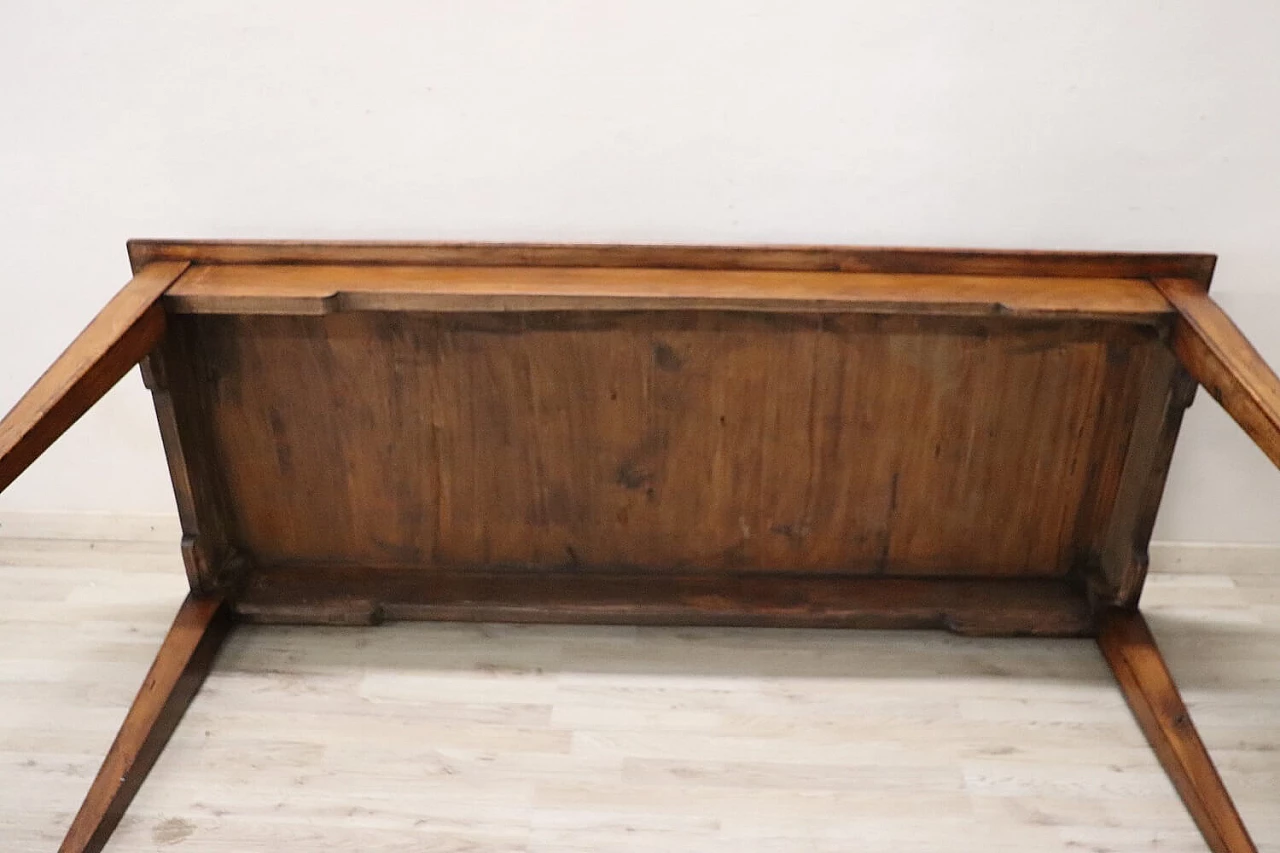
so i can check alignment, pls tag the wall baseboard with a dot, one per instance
(1175, 557)
(1213, 558)
(92, 526)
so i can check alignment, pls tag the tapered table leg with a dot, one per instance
(130, 325)
(179, 669)
(1149, 688)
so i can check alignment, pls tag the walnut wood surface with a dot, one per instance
(1149, 688)
(179, 669)
(1126, 534)
(207, 542)
(1217, 354)
(1198, 267)
(113, 342)
(323, 289)
(332, 595)
(532, 430)
(679, 442)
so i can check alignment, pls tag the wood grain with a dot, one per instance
(180, 668)
(1217, 354)
(329, 595)
(670, 441)
(323, 289)
(1135, 659)
(610, 407)
(210, 558)
(1138, 481)
(1198, 267)
(113, 342)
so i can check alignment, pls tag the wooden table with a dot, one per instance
(774, 436)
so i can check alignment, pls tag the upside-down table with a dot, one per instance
(773, 436)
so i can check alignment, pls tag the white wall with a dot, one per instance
(1123, 124)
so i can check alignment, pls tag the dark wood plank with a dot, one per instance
(1121, 425)
(113, 342)
(180, 667)
(1136, 477)
(830, 258)
(1152, 694)
(366, 595)
(1217, 354)
(324, 289)
(1124, 553)
(676, 442)
(171, 373)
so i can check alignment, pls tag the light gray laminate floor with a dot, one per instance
(439, 737)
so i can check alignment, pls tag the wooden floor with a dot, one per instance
(422, 737)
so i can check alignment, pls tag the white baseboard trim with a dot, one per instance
(1211, 558)
(91, 526)
(1179, 557)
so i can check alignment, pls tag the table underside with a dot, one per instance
(993, 474)
(816, 436)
